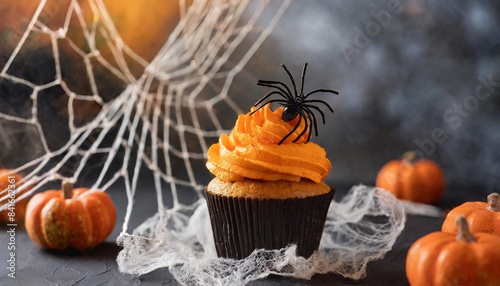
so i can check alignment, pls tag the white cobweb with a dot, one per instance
(360, 228)
(162, 120)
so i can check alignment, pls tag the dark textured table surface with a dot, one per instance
(37, 266)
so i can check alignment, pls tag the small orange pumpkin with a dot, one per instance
(411, 179)
(20, 206)
(481, 216)
(60, 219)
(445, 259)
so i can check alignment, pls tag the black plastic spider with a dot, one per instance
(297, 105)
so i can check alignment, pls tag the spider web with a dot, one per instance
(174, 96)
(165, 117)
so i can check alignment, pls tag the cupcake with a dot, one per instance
(268, 191)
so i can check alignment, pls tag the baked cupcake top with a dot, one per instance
(252, 150)
(267, 190)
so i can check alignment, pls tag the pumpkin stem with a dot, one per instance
(410, 157)
(463, 230)
(67, 189)
(494, 202)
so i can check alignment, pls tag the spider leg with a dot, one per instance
(277, 87)
(305, 128)
(293, 130)
(291, 78)
(313, 119)
(270, 82)
(321, 90)
(268, 95)
(316, 108)
(266, 103)
(302, 79)
(319, 101)
(257, 109)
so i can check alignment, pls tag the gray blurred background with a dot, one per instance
(412, 75)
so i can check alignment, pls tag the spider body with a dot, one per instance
(291, 110)
(295, 104)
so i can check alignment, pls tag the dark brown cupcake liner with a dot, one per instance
(241, 225)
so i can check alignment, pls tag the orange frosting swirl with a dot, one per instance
(252, 151)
